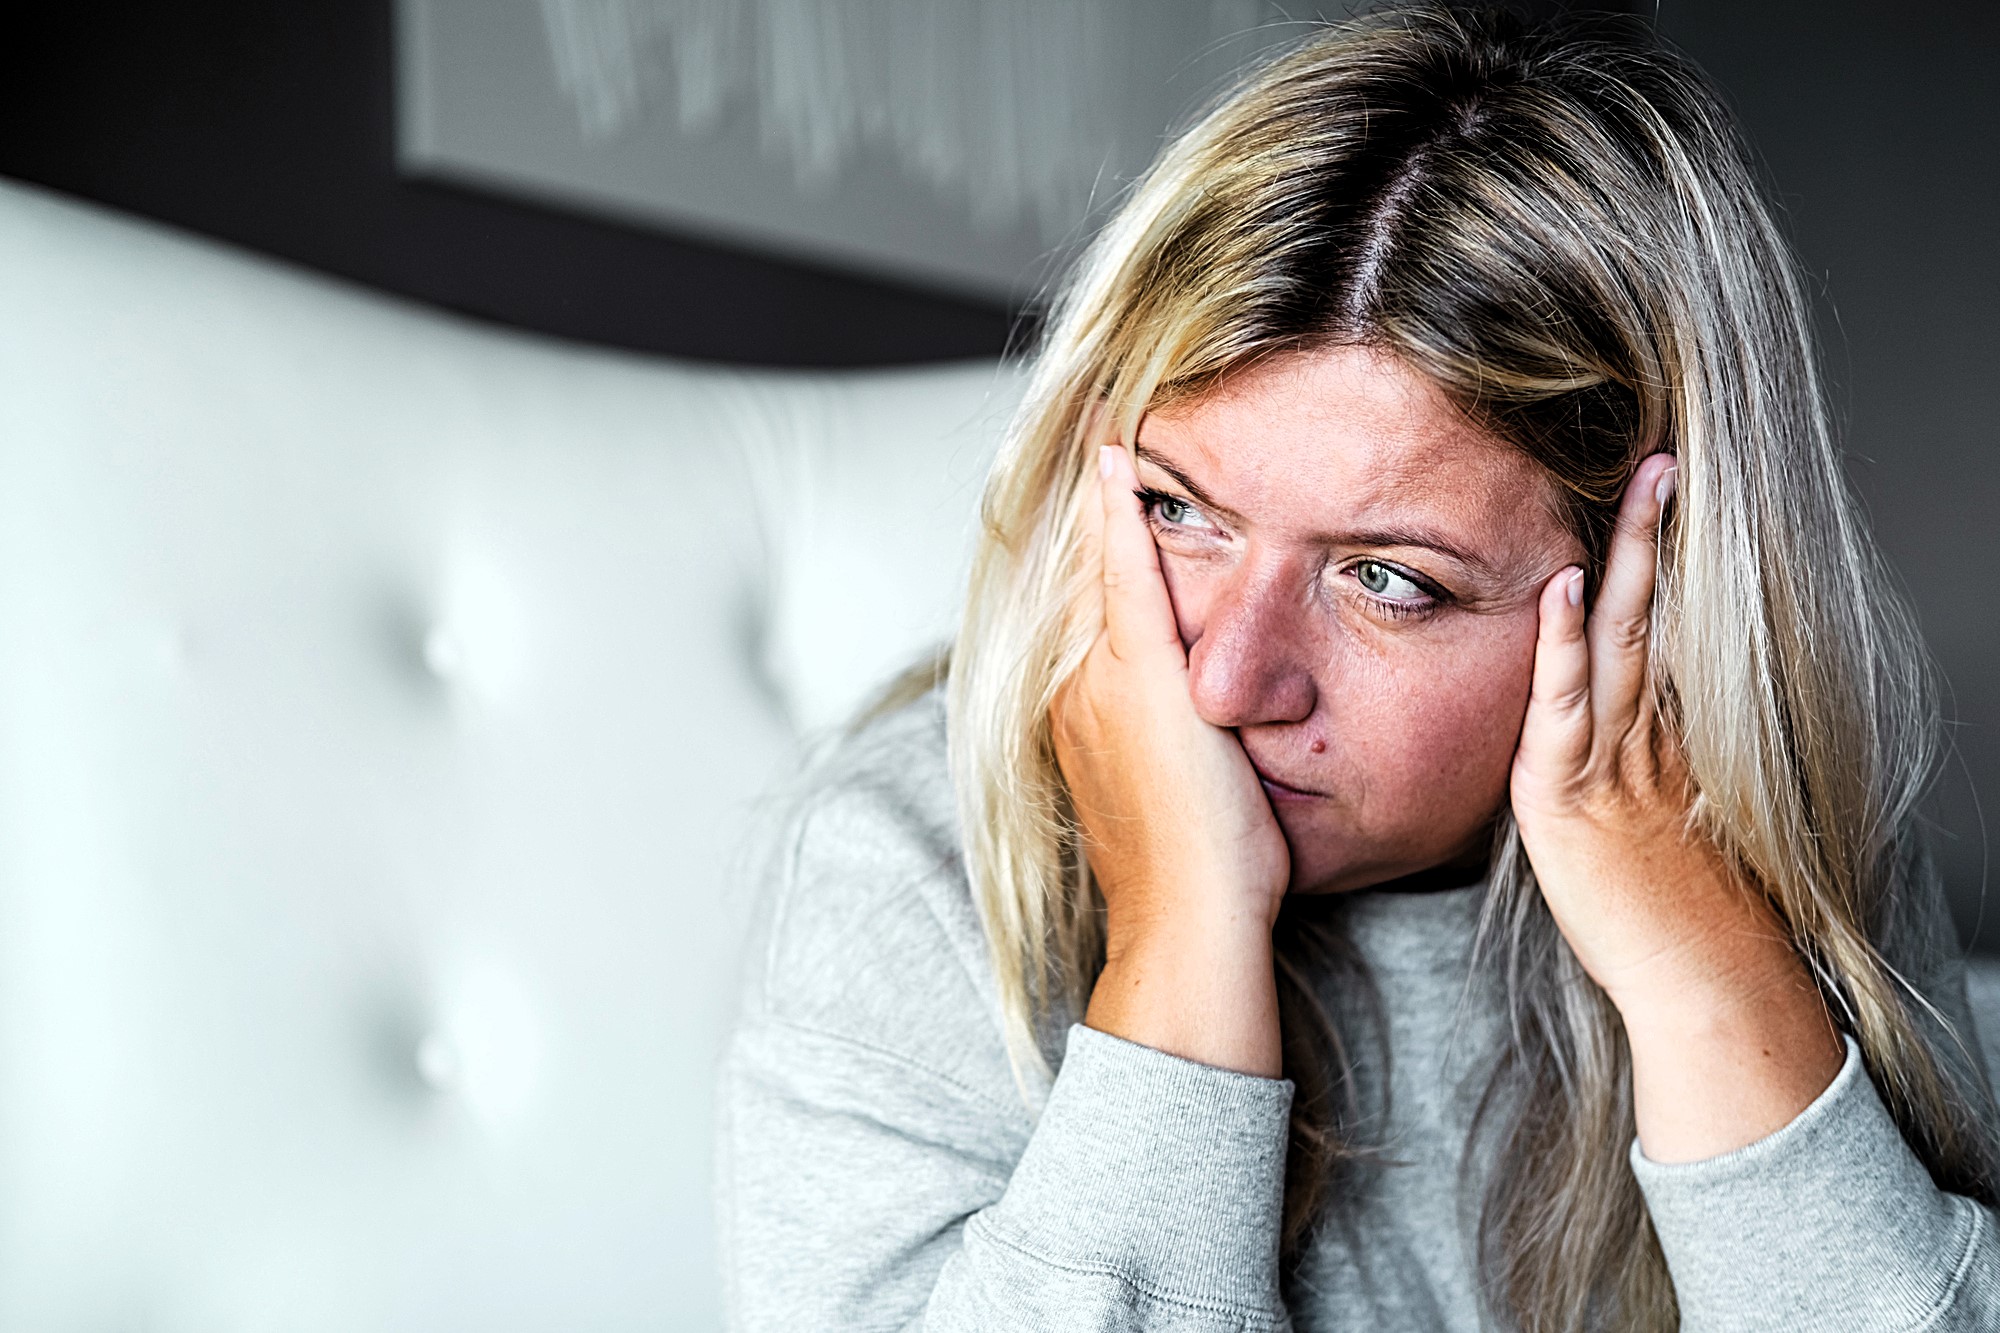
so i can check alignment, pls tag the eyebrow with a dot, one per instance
(1390, 536)
(1429, 541)
(1187, 483)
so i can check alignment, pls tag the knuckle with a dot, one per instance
(1628, 634)
(1580, 794)
(1562, 698)
(1542, 797)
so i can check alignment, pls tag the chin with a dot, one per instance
(1329, 867)
(1329, 859)
(1323, 885)
(1338, 877)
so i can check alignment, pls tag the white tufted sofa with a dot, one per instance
(384, 701)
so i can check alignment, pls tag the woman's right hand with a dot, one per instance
(1178, 832)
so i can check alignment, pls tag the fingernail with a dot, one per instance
(1663, 490)
(1105, 461)
(1575, 590)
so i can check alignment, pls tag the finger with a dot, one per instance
(1138, 616)
(1088, 585)
(1621, 620)
(1555, 735)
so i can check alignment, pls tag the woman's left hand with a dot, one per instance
(1695, 959)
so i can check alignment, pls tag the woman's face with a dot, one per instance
(1354, 569)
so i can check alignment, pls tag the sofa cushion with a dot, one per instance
(387, 700)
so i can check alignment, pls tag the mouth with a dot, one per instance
(1283, 791)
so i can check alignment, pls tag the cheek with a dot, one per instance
(1427, 729)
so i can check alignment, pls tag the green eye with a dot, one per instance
(1388, 583)
(1173, 511)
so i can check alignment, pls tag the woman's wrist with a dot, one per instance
(1203, 990)
(1727, 1057)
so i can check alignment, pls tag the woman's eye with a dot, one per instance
(1173, 510)
(1389, 583)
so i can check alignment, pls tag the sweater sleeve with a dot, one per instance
(1827, 1223)
(864, 1192)
(1830, 1223)
(878, 1165)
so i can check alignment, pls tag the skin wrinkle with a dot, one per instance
(1406, 727)
(1383, 537)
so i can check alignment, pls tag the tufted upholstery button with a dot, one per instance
(448, 748)
(442, 653)
(485, 1043)
(437, 1063)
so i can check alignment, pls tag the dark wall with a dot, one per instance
(1881, 127)
(271, 124)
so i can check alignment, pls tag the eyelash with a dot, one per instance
(1152, 500)
(1436, 596)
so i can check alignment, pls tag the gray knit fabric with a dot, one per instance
(878, 1168)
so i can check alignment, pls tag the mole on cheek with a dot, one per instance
(1318, 746)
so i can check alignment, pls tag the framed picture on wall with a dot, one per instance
(962, 145)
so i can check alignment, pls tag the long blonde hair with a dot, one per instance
(1560, 227)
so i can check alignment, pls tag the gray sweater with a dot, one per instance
(878, 1169)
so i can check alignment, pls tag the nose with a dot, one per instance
(1250, 661)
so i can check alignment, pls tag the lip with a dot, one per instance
(1283, 791)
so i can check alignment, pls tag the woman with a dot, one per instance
(1418, 833)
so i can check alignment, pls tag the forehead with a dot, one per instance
(1344, 435)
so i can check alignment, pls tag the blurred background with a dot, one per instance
(276, 126)
(505, 161)
(455, 455)
(548, 164)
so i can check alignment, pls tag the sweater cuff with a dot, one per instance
(1831, 1220)
(1165, 1172)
